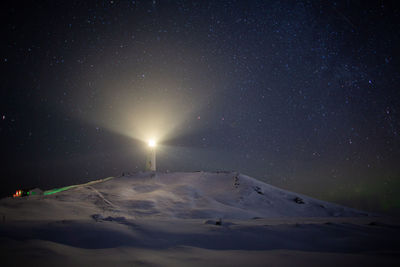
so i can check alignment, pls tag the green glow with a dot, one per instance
(56, 190)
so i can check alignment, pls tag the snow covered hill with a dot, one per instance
(189, 219)
(197, 195)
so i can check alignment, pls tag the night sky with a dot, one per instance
(303, 95)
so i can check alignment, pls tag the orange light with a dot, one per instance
(18, 193)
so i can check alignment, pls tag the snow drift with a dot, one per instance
(189, 219)
(197, 195)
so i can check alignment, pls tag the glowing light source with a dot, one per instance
(151, 143)
(151, 156)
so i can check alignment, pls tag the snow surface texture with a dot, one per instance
(190, 219)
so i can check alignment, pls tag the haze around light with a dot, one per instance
(147, 112)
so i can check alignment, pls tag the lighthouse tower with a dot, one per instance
(151, 156)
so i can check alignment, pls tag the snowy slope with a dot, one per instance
(190, 219)
(226, 195)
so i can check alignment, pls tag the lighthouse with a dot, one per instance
(151, 156)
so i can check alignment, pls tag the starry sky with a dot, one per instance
(303, 95)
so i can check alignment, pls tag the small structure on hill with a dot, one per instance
(31, 192)
(151, 156)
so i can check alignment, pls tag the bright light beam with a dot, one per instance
(151, 143)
